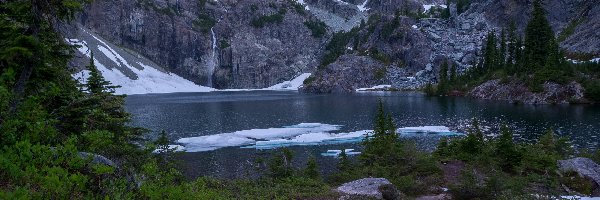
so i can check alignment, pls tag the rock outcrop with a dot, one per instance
(518, 92)
(346, 75)
(585, 167)
(367, 187)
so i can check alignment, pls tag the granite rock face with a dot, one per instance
(259, 43)
(232, 53)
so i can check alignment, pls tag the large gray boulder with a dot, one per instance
(364, 187)
(585, 167)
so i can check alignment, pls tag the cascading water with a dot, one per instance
(212, 63)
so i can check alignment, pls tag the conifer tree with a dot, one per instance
(96, 84)
(507, 152)
(344, 164)
(443, 83)
(312, 169)
(502, 52)
(538, 36)
(490, 52)
(382, 147)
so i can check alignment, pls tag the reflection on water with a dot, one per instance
(198, 114)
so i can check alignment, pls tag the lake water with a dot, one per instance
(199, 114)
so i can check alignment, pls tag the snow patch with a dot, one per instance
(363, 7)
(428, 7)
(293, 84)
(301, 2)
(150, 80)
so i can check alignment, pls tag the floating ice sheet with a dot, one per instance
(296, 135)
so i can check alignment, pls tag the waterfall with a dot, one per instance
(212, 63)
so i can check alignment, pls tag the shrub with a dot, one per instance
(317, 28)
(264, 20)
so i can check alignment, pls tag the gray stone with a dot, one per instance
(583, 166)
(364, 187)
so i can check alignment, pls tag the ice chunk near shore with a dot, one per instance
(252, 136)
(336, 153)
(579, 198)
(427, 130)
(297, 135)
(377, 87)
(320, 138)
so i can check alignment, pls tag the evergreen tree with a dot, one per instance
(443, 83)
(453, 73)
(96, 84)
(490, 52)
(383, 146)
(538, 36)
(312, 169)
(506, 151)
(502, 52)
(344, 164)
(512, 48)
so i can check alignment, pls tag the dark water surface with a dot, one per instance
(197, 114)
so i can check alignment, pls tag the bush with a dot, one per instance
(317, 28)
(264, 20)
(204, 22)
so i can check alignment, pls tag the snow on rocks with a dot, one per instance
(293, 84)
(363, 7)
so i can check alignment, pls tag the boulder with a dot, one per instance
(369, 187)
(585, 167)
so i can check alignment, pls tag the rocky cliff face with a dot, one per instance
(258, 43)
(212, 42)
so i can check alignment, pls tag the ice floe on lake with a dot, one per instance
(297, 135)
(336, 153)
(377, 87)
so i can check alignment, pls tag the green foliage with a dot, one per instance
(309, 80)
(204, 22)
(317, 28)
(442, 87)
(380, 73)
(462, 5)
(337, 46)
(280, 165)
(223, 44)
(312, 169)
(264, 20)
(569, 30)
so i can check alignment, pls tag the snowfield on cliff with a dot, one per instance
(136, 75)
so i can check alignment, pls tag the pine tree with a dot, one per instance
(506, 150)
(382, 147)
(453, 73)
(96, 84)
(443, 83)
(512, 47)
(344, 164)
(312, 169)
(538, 36)
(502, 52)
(490, 52)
